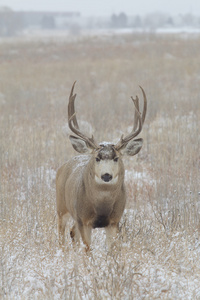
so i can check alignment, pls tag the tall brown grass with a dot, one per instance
(159, 240)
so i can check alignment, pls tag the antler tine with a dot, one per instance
(145, 105)
(136, 102)
(72, 121)
(71, 109)
(133, 133)
(138, 118)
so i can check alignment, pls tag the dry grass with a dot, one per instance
(157, 254)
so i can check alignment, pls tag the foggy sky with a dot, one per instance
(107, 7)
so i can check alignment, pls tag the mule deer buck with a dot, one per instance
(91, 187)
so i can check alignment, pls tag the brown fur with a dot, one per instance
(79, 195)
(91, 187)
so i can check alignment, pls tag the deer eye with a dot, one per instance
(116, 159)
(97, 159)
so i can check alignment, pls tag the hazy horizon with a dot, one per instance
(105, 8)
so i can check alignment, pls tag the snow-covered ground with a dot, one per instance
(34, 34)
(146, 261)
(156, 254)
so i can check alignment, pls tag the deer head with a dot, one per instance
(107, 156)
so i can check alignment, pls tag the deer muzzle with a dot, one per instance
(106, 177)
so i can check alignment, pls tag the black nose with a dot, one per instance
(106, 177)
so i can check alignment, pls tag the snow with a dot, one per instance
(65, 35)
(127, 273)
(104, 143)
(140, 177)
(144, 261)
(147, 261)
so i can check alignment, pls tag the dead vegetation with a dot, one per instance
(157, 253)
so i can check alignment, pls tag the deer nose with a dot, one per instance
(106, 177)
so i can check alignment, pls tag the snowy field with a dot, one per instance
(59, 35)
(157, 252)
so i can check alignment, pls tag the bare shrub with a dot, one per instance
(157, 254)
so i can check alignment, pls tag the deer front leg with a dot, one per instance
(85, 232)
(62, 219)
(75, 233)
(111, 233)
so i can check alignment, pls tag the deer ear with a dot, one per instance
(133, 147)
(79, 145)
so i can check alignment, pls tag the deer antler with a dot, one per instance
(138, 121)
(72, 120)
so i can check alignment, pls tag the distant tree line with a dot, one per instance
(12, 22)
(119, 21)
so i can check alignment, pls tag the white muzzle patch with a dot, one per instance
(106, 172)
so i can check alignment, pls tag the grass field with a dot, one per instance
(158, 248)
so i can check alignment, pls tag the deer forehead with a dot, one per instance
(107, 152)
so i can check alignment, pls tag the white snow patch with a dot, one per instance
(140, 177)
